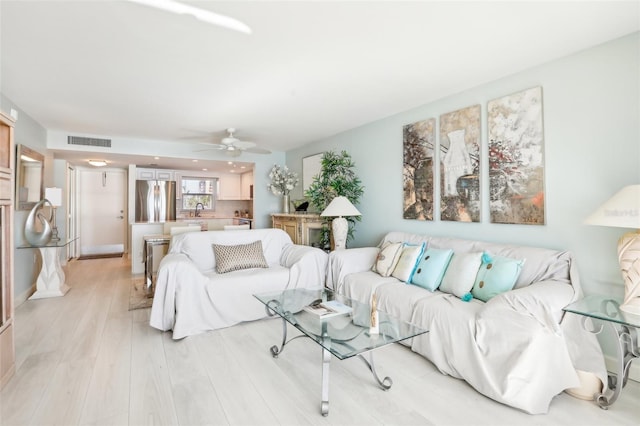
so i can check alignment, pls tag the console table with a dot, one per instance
(51, 279)
(303, 228)
(624, 327)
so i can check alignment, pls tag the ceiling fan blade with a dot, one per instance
(212, 147)
(244, 145)
(257, 150)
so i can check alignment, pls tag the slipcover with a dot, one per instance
(518, 348)
(191, 297)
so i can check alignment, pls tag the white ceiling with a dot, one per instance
(308, 71)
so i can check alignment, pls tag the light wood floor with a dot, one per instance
(85, 359)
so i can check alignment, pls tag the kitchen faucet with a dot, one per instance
(197, 213)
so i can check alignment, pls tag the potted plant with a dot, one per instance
(337, 177)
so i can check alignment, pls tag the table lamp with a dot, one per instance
(623, 211)
(54, 195)
(339, 207)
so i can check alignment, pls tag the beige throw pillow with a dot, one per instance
(387, 258)
(241, 256)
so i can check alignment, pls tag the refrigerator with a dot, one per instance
(155, 200)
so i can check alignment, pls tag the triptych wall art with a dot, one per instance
(515, 160)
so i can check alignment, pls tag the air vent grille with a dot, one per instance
(80, 140)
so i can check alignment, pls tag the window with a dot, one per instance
(198, 190)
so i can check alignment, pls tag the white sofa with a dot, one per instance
(517, 348)
(191, 297)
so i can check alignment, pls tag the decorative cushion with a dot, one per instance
(431, 268)
(242, 256)
(496, 275)
(408, 261)
(387, 259)
(461, 273)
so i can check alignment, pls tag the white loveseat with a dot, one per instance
(192, 297)
(516, 348)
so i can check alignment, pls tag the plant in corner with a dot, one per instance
(336, 178)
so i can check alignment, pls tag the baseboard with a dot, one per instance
(634, 370)
(22, 297)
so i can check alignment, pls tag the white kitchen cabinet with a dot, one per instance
(229, 187)
(246, 183)
(154, 174)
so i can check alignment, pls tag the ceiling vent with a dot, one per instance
(79, 140)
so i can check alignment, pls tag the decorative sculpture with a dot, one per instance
(32, 235)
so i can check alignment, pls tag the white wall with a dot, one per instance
(592, 142)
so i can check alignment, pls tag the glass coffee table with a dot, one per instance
(624, 327)
(344, 335)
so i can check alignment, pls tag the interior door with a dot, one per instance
(102, 205)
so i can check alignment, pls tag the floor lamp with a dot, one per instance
(54, 195)
(623, 211)
(339, 207)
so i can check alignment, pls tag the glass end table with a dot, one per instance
(624, 326)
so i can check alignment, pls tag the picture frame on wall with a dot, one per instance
(516, 158)
(419, 140)
(460, 184)
(311, 166)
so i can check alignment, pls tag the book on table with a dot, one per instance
(328, 309)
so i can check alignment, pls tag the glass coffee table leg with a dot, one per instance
(386, 383)
(326, 359)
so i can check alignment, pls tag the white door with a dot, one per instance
(102, 205)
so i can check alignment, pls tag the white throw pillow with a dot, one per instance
(387, 259)
(408, 261)
(461, 273)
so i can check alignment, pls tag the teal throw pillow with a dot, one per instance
(496, 275)
(431, 268)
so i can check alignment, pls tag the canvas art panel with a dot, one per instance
(460, 165)
(516, 158)
(417, 170)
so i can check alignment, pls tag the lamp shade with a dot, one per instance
(54, 195)
(622, 210)
(340, 206)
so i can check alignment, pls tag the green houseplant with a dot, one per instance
(337, 177)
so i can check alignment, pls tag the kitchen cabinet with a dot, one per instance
(304, 229)
(154, 174)
(246, 183)
(229, 187)
(7, 345)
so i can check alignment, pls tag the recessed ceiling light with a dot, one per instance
(156, 158)
(229, 162)
(205, 169)
(194, 161)
(97, 163)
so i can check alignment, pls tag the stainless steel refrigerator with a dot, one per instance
(155, 200)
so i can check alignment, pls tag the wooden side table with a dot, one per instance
(621, 325)
(303, 228)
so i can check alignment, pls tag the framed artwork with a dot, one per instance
(311, 166)
(516, 158)
(460, 165)
(417, 171)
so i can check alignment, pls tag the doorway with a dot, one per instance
(102, 204)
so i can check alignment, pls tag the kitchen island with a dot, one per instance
(140, 229)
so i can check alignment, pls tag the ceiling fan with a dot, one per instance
(233, 146)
